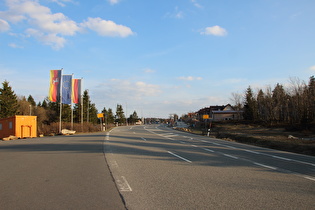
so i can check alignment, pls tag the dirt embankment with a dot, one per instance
(275, 138)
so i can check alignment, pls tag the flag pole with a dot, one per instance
(60, 100)
(81, 104)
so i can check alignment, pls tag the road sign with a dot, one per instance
(101, 115)
(205, 116)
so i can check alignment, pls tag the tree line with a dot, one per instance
(48, 113)
(293, 105)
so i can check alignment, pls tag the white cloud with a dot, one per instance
(196, 4)
(42, 24)
(148, 70)
(312, 68)
(122, 90)
(190, 78)
(13, 45)
(4, 26)
(42, 18)
(107, 27)
(61, 2)
(215, 31)
(56, 42)
(177, 14)
(113, 1)
(144, 89)
(51, 28)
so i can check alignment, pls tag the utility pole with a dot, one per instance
(88, 106)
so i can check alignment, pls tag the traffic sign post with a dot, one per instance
(101, 116)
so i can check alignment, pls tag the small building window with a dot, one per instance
(10, 125)
(0, 126)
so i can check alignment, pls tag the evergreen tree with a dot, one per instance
(8, 101)
(110, 116)
(279, 100)
(44, 104)
(77, 113)
(250, 105)
(66, 113)
(89, 109)
(133, 118)
(261, 106)
(31, 100)
(86, 105)
(53, 112)
(93, 114)
(120, 117)
(105, 113)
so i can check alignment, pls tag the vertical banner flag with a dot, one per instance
(76, 91)
(66, 89)
(54, 88)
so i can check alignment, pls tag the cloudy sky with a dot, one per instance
(156, 57)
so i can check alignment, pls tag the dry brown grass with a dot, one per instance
(275, 138)
(53, 128)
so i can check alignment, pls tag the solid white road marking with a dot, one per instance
(180, 157)
(282, 158)
(230, 147)
(265, 166)
(168, 136)
(298, 161)
(309, 178)
(209, 150)
(251, 151)
(143, 139)
(231, 156)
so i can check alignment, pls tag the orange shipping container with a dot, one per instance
(21, 126)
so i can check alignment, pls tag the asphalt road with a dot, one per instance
(61, 172)
(159, 168)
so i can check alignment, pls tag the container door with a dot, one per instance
(25, 131)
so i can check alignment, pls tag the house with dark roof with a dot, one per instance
(219, 113)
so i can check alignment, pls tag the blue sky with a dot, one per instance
(157, 57)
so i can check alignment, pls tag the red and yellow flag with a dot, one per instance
(55, 82)
(76, 91)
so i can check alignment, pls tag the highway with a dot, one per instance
(151, 167)
(156, 167)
